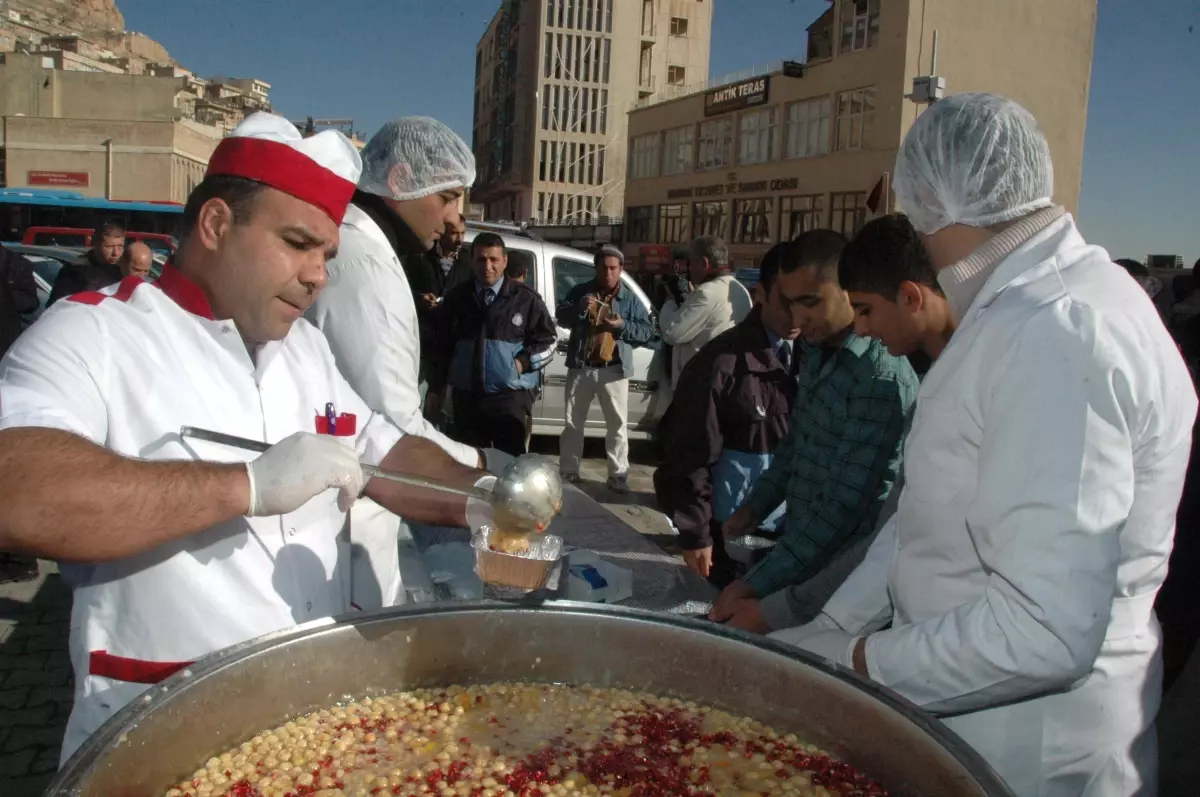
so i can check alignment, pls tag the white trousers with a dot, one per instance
(612, 388)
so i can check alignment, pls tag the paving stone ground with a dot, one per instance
(36, 684)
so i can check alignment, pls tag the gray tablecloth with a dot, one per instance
(660, 582)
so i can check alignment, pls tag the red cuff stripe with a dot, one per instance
(135, 671)
(284, 168)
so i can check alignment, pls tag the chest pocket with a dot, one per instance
(938, 456)
(757, 401)
(506, 319)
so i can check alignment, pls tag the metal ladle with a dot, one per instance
(526, 497)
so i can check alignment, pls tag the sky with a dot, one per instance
(1141, 174)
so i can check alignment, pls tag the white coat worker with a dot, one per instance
(717, 302)
(415, 170)
(177, 548)
(1042, 474)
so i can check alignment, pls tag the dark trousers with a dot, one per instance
(493, 421)
(724, 570)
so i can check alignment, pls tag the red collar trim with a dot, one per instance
(284, 168)
(184, 292)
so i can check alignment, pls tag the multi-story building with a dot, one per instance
(138, 137)
(765, 157)
(553, 82)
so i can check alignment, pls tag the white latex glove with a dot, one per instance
(496, 460)
(824, 637)
(479, 513)
(299, 468)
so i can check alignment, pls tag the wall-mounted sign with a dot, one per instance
(60, 179)
(746, 94)
(722, 189)
(655, 257)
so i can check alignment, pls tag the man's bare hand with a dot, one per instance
(741, 523)
(748, 616)
(699, 561)
(429, 301)
(613, 323)
(727, 602)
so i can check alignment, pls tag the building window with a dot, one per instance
(798, 214)
(678, 149)
(849, 212)
(807, 128)
(679, 26)
(708, 218)
(756, 136)
(856, 115)
(643, 156)
(675, 75)
(716, 144)
(672, 224)
(860, 24)
(639, 223)
(542, 161)
(752, 220)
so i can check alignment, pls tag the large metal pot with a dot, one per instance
(230, 696)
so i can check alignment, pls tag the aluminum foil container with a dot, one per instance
(748, 548)
(526, 571)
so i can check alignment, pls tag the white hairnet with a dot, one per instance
(415, 156)
(974, 159)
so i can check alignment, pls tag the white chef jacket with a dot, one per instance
(1043, 471)
(127, 367)
(708, 311)
(366, 312)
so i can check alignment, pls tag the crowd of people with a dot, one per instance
(957, 441)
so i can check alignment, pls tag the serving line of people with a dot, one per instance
(1008, 585)
(176, 548)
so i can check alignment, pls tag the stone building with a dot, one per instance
(768, 154)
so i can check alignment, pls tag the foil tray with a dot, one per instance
(517, 574)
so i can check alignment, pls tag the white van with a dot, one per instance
(553, 271)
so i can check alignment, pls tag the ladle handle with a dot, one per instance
(412, 481)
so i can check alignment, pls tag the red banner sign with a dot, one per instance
(656, 258)
(60, 179)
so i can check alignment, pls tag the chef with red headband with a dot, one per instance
(176, 548)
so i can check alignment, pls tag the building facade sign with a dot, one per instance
(746, 94)
(59, 179)
(730, 188)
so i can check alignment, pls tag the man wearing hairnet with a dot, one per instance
(415, 170)
(1042, 471)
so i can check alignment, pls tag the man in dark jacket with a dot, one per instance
(498, 336)
(18, 295)
(97, 269)
(431, 276)
(739, 389)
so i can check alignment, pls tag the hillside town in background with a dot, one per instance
(89, 106)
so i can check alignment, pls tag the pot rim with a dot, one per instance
(108, 735)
